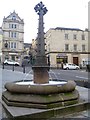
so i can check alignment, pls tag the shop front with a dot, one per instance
(61, 59)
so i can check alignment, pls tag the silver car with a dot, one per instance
(71, 66)
(11, 62)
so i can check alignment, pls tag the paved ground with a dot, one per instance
(0, 111)
(12, 76)
(58, 73)
(9, 76)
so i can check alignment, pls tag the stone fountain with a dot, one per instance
(41, 92)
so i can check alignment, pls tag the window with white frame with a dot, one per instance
(8, 44)
(74, 36)
(13, 45)
(9, 25)
(83, 37)
(13, 34)
(75, 47)
(66, 47)
(83, 47)
(12, 26)
(9, 34)
(66, 36)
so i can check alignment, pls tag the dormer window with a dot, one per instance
(13, 17)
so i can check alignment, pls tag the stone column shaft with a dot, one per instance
(40, 68)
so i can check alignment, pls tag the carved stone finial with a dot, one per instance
(40, 8)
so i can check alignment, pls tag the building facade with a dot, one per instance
(34, 47)
(27, 49)
(13, 37)
(1, 38)
(66, 45)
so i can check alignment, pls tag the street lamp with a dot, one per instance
(6, 45)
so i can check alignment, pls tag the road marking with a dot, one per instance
(59, 73)
(82, 77)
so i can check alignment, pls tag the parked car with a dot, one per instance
(11, 62)
(72, 66)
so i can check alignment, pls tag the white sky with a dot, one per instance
(61, 13)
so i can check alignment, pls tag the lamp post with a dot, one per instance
(40, 67)
(6, 45)
(6, 48)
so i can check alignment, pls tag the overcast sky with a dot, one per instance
(61, 13)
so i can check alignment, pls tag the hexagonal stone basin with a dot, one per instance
(47, 88)
(48, 95)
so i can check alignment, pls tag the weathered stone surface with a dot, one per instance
(40, 89)
(41, 75)
(23, 113)
(38, 95)
(42, 101)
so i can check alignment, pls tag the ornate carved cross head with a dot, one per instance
(40, 9)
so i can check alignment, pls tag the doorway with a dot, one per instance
(13, 57)
(75, 60)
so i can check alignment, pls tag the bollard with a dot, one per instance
(88, 68)
(23, 68)
(3, 65)
(13, 67)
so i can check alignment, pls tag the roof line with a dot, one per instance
(64, 28)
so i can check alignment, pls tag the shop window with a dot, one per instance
(61, 59)
(13, 57)
(6, 57)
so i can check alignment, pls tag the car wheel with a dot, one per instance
(77, 68)
(67, 68)
(16, 65)
(5, 63)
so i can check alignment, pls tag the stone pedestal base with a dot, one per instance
(40, 101)
(41, 75)
(40, 95)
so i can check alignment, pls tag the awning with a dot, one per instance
(61, 55)
(13, 54)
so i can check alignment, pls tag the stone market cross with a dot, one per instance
(41, 67)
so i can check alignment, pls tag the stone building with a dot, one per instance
(66, 45)
(34, 51)
(27, 49)
(1, 38)
(13, 37)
